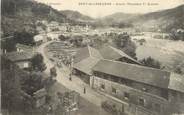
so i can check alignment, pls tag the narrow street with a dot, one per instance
(76, 84)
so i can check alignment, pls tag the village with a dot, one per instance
(76, 70)
(92, 58)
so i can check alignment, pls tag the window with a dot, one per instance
(157, 107)
(122, 81)
(144, 89)
(126, 95)
(114, 90)
(26, 65)
(141, 102)
(102, 86)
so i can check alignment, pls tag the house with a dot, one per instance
(180, 30)
(139, 90)
(24, 48)
(22, 59)
(52, 26)
(87, 57)
(63, 26)
(39, 39)
(70, 100)
(53, 36)
(84, 60)
(39, 97)
(112, 53)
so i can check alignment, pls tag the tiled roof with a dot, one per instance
(94, 53)
(18, 56)
(85, 53)
(154, 77)
(176, 82)
(86, 65)
(86, 58)
(89, 59)
(111, 53)
(24, 47)
(81, 54)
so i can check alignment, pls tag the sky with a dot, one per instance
(93, 9)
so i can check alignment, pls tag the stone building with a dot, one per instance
(39, 97)
(84, 60)
(87, 57)
(39, 39)
(139, 90)
(22, 59)
(70, 100)
(24, 48)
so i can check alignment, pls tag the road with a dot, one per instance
(76, 84)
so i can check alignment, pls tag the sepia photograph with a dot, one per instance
(92, 57)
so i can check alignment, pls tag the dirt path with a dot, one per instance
(76, 84)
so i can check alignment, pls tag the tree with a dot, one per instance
(177, 34)
(63, 38)
(33, 83)
(9, 44)
(24, 37)
(38, 63)
(53, 72)
(11, 95)
(150, 62)
(77, 41)
(178, 70)
(124, 42)
(43, 26)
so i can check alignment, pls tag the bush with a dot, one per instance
(24, 37)
(111, 108)
(150, 62)
(53, 72)
(63, 38)
(124, 42)
(33, 83)
(38, 63)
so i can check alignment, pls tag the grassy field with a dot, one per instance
(168, 52)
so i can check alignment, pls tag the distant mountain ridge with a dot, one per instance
(164, 19)
(19, 15)
(119, 17)
(75, 15)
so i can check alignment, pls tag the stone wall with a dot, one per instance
(140, 102)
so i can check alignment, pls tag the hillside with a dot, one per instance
(77, 16)
(117, 19)
(18, 15)
(164, 20)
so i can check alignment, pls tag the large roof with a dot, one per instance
(19, 56)
(154, 77)
(111, 53)
(176, 82)
(24, 47)
(86, 58)
(89, 59)
(85, 53)
(86, 65)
